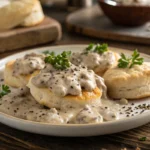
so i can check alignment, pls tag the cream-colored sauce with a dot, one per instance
(73, 81)
(94, 61)
(28, 64)
(109, 109)
(21, 104)
(69, 81)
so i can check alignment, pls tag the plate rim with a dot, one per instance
(72, 45)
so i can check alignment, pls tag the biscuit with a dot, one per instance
(35, 17)
(45, 97)
(129, 83)
(99, 63)
(14, 13)
(15, 81)
(101, 70)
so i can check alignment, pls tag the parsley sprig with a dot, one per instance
(97, 48)
(4, 90)
(60, 61)
(135, 59)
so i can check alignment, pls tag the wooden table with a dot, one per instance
(12, 139)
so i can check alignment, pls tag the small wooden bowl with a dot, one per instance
(125, 15)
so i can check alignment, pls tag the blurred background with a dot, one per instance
(68, 3)
(117, 22)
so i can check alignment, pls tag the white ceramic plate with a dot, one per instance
(74, 129)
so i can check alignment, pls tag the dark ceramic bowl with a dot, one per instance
(125, 15)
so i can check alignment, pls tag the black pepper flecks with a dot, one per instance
(130, 110)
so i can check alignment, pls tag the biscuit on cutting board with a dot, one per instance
(14, 12)
(35, 17)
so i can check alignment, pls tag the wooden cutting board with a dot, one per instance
(92, 22)
(49, 30)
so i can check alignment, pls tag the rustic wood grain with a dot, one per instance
(92, 22)
(12, 139)
(49, 30)
(17, 142)
(132, 136)
(23, 140)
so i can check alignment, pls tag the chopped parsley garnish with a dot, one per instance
(97, 48)
(125, 62)
(90, 47)
(60, 61)
(4, 90)
(142, 139)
